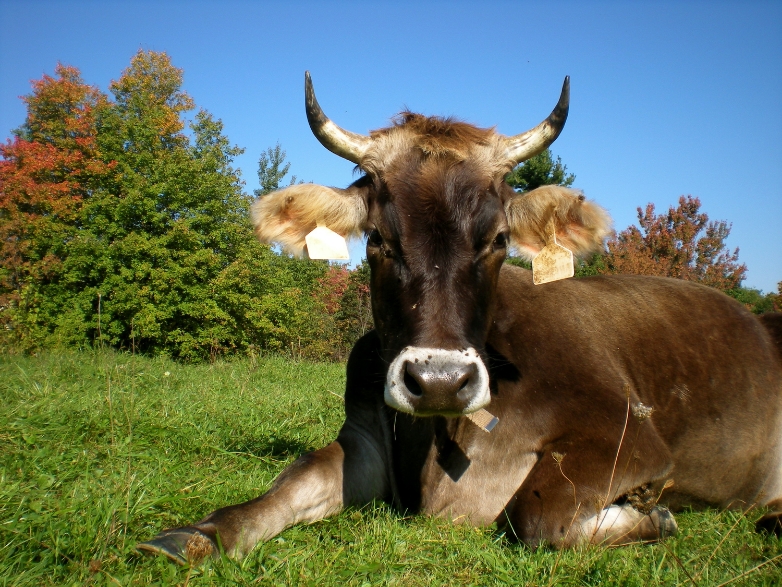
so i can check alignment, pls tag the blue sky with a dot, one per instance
(668, 98)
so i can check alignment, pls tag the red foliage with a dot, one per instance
(46, 171)
(344, 298)
(331, 287)
(682, 244)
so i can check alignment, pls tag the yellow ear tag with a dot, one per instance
(324, 243)
(484, 420)
(553, 262)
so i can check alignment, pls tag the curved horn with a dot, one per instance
(528, 144)
(348, 145)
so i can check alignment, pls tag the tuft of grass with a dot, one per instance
(100, 450)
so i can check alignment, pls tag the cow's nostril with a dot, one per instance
(412, 384)
(467, 376)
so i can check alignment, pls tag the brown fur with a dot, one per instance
(773, 323)
(446, 141)
(435, 136)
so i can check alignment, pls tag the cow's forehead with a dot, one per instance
(424, 201)
(434, 141)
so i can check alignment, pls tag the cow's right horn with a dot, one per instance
(346, 144)
(528, 144)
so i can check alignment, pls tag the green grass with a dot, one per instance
(101, 450)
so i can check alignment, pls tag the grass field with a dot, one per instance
(100, 450)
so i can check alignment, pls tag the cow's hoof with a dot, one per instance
(184, 546)
(664, 521)
(770, 523)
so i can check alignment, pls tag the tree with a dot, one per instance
(354, 317)
(272, 168)
(48, 172)
(345, 299)
(754, 300)
(682, 244)
(272, 301)
(112, 221)
(174, 219)
(540, 170)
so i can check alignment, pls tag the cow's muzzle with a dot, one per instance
(426, 382)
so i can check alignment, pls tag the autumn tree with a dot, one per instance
(48, 171)
(682, 243)
(354, 317)
(344, 297)
(776, 298)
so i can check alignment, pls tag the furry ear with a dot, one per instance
(580, 226)
(286, 216)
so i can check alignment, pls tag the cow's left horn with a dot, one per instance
(346, 144)
(528, 144)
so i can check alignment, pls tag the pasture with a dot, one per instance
(99, 450)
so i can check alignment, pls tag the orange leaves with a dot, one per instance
(152, 85)
(331, 287)
(61, 110)
(107, 206)
(151, 77)
(682, 243)
(46, 172)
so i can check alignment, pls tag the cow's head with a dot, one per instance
(439, 219)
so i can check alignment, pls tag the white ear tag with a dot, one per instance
(324, 243)
(553, 262)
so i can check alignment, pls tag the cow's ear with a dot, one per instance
(286, 216)
(581, 226)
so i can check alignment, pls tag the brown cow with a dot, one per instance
(606, 388)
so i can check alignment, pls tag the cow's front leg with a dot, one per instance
(578, 493)
(349, 471)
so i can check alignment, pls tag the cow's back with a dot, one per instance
(709, 369)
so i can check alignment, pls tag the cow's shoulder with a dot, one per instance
(583, 320)
(606, 296)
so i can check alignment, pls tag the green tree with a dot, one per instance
(272, 301)
(753, 299)
(272, 169)
(542, 169)
(174, 220)
(593, 265)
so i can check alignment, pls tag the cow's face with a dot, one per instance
(437, 235)
(438, 217)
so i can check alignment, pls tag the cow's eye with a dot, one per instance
(500, 241)
(374, 239)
